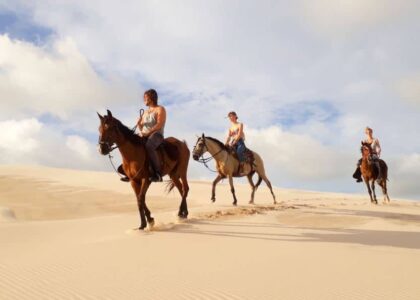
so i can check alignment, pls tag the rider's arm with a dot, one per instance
(140, 123)
(227, 138)
(160, 120)
(378, 148)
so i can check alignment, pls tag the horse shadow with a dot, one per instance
(398, 239)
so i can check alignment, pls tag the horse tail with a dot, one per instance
(169, 186)
(258, 182)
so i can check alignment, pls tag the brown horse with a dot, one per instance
(174, 156)
(370, 173)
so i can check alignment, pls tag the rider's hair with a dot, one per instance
(369, 129)
(153, 96)
(232, 113)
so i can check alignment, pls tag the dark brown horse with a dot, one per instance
(370, 173)
(174, 156)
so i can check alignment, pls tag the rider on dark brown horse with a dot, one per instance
(151, 125)
(376, 153)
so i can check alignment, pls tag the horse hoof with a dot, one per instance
(151, 223)
(183, 216)
(234, 204)
(142, 227)
(213, 200)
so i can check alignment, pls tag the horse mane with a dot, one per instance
(130, 134)
(221, 145)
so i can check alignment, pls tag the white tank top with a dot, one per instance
(149, 121)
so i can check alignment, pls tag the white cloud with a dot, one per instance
(344, 17)
(19, 136)
(79, 145)
(55, 79)
(28, 141)
(409, 89)
(299, 156)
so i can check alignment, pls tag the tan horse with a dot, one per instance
(227, 166)
(175, 156)
(370, 174)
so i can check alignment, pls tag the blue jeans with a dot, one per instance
(240, 150)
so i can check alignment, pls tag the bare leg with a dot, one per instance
(232, 189)
(249, 176)
(213, 189)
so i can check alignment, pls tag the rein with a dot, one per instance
(205, 160)
(112, 147)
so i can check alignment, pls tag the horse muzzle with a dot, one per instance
(195, 156)
(104, 148)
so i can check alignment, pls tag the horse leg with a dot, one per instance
(268, 183)
(384, 191)
(369, 190)
(374, 193)
(251, 183)
(141, 203)
(149, 218)
(232, 189)
(137, 190)
(185, 190)
(213, 189)
(178, 185)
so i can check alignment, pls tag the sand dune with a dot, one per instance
(68, 234)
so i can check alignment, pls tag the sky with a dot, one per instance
(305, 78)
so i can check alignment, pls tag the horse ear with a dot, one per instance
(100, 117)
(109, 113)
(202, 135)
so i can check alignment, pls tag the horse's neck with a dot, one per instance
(365, 163)
(130, 152)
(215, 150)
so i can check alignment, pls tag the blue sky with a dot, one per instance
(305, 77)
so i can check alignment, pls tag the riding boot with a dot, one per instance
(124, 177)
(152, 144)
(358, 173)
(154, 160)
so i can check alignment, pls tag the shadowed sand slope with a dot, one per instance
(68, 234)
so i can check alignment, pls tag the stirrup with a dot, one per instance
(156, 178)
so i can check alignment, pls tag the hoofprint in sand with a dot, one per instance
(68, 234)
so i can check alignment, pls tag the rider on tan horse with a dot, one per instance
(236, 140)
(227, 165)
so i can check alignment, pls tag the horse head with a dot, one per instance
(366, 149)
(200, 147)
(107, 133)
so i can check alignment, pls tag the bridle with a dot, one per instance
(205, 160)
(113, 146)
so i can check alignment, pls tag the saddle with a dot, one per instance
(249, 158)
(168, 148)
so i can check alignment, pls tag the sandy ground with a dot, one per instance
(68, 234)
